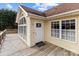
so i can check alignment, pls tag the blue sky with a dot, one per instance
(38, 6)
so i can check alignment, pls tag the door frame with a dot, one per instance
(42, 25)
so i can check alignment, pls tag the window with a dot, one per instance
(55, 29)
(22, 27)
(64, 30)
(22, 21)
(38, 24)
(68, 30)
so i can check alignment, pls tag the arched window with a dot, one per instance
(22, 21)
(22, 27)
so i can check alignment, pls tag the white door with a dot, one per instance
(39, 32)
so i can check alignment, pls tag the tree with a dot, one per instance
(7, 19)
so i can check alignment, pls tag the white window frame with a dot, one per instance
(60, 24)
(59, 29)
(65, 29)
(22, 26)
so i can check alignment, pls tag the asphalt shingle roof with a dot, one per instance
(64, 7)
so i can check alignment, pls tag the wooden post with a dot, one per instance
(2, 36)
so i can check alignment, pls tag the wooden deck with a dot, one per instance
(13, 46)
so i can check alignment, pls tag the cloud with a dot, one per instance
(9, 6)
(42, 9)
(51, 4)
(44, 6)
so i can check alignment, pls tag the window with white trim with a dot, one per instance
(22, 27)
(63, 29)
(55, 29)
(68, 30)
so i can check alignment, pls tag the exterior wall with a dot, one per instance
(33, 31)
(23, 14)
(30, 23)
(71, 46)
(27, 40)
(28, 31)
(78, 30)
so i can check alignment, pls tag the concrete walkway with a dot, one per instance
(13, 46)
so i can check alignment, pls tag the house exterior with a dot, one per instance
(58, 25)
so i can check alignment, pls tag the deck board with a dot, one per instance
(13, 46)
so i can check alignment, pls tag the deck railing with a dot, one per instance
(2, 36)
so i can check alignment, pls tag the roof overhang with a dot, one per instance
(36, 16)
(17, 16)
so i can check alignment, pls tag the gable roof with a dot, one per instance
(30, 10)
(64, 7)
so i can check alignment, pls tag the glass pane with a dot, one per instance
(24, 21)
(73, 21)
(57, 26)
(72, 25)
(63, 25)
(38, 24)
(68, 26)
